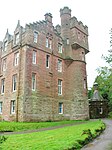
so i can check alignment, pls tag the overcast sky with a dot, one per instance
(96, 14)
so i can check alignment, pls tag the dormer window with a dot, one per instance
(35, 37)
(68, 41)
(17, 38)
(4, 65)
(48, 42)
(16, 59)
(59, 65)
(59, 48)
(5, 45)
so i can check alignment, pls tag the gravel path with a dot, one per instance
(104, 141)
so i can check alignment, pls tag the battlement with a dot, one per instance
(35, 25)
(78, 24)
(65, 10)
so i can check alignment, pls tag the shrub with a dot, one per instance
(110, 115)
(2, 139)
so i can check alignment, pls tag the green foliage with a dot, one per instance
(66, 138)
(104, 79)
(22, 126)
(2, 139)
(110, 115)
(90, 93)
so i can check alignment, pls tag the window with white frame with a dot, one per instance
(17, 38)
(4, 64)
(47, 42)
(59, 87)
(16, 59)
(13, 106)
(59, 48)
(50, 43)
(14, 82)
(60, 108)
(47, 61)
(33, 81)
(59, 65)
(35, 37)
(34, 57)
(5, 45)
(2, 86)
(68, 41)
(1, 107)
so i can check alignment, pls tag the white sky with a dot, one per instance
(96, 14)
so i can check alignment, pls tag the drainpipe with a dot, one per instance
(19, 69)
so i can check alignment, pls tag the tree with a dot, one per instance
(104, 77)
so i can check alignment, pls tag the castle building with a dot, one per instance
(43, 71)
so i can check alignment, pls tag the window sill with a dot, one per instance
(2, 93)
(60, 113)
(14, 91)
(12, 113)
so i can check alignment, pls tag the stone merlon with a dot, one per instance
(48, 17)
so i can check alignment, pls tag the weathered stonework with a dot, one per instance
(43, 103)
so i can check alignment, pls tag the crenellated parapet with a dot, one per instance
(79, 25)
(65, 10)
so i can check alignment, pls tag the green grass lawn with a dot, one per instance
(57, 139)
(22, 126)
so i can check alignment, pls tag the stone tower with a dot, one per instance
(75, 36)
